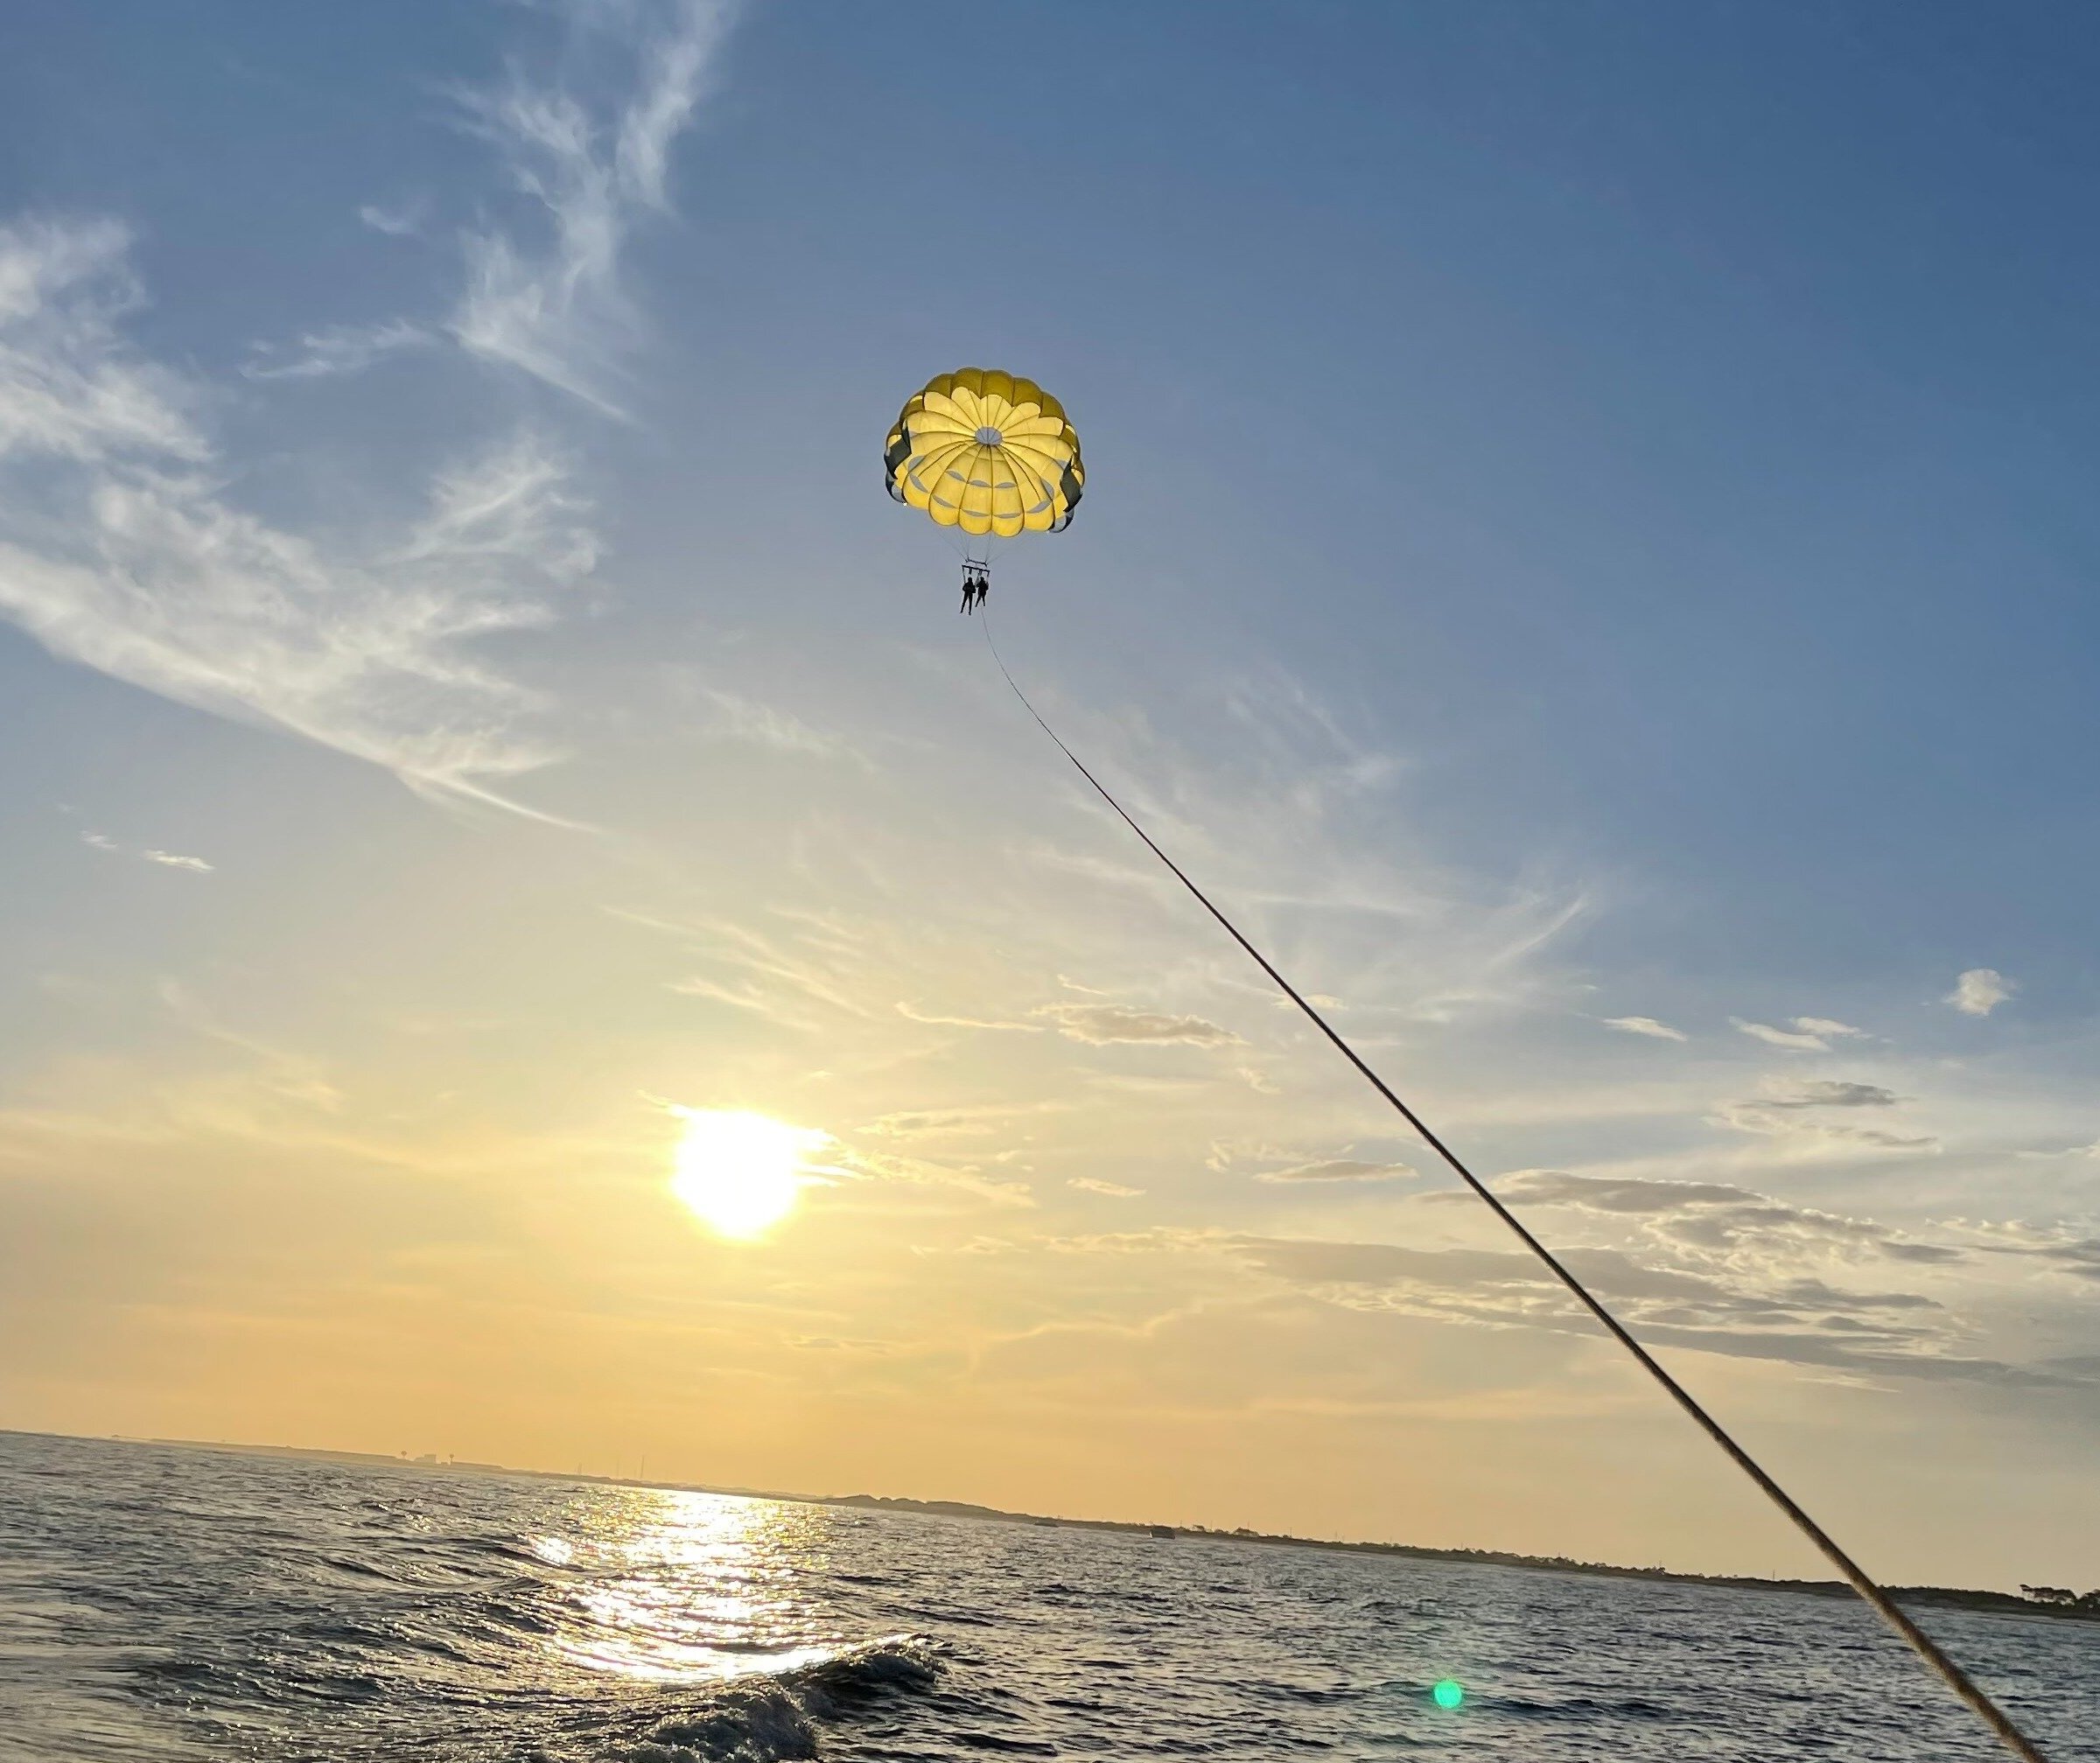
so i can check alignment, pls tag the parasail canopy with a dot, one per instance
(988, 453)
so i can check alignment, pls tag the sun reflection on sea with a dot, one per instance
(689, 1585)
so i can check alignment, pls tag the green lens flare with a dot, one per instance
(1449, 1693)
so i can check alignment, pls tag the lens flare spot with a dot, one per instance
(1449, 1694)
(740, 1173)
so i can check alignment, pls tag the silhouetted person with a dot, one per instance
(970, 591)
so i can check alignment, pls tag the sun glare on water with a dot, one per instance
(740, 1173)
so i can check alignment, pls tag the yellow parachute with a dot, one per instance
(987, 453)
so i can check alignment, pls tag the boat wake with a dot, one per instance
(768, 1719)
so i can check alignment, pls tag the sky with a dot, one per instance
(1586, 553)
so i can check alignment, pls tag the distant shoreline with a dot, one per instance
(1926, 1597)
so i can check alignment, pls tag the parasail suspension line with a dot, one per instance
(1855, 1576)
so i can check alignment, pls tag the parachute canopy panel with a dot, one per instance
(987, 453)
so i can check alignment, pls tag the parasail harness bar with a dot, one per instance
(1855, 1576)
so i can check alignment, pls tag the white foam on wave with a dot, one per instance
(776, 1720)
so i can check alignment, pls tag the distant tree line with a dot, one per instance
(2062, 1595)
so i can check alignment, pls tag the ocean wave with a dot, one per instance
(777, 1719)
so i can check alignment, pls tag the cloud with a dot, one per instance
(119, 551)
(1825, 1093)
(1487, 1276)
(1338, 1169)
(1100, 1024)
(1836, 1351)
(915, 1014)
(340, 349)
(807, 971)
(2070, 1251)
(1833, 1031)
(1765, 1225)
(1114, 1190)
(1800, 1320)
(1791, 1113)
(401, 222)
(1224, 1153)
(733, 717)
(102, 842)
(981, 1120)
(1770, 1232)
(1754, 1116)
(1929, 1253)
(1979, 991)
(919, 1172)
(545, 295)
(1644, 1025)
(69, 389)
(1312, 1262)
(1809, 1034)
(129, 563)
(1780, 1037)
(554, 307)
(926, 1123)
(1715, 1218)
(1630, 1194)
(122, 550)
(1263, 795)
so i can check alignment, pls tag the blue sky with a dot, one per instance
(1587, 524)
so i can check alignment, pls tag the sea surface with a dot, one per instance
(161, 1603)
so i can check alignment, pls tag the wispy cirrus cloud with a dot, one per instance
(339, 349)
(802, 971)
(70, 390)
(554, 306)
(935, 1018)
(1337, 1169)
(544, 293)
(880, 1165)
(1100, 1025)
(119, 549)
(748, 722)
(398, 221)
(1260, 789)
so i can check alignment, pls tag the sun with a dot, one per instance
(740, 1173)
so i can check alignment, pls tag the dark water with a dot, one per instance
(164, 1604)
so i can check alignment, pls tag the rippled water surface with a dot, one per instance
(162, 1603)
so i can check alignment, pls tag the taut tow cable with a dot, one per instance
(1855, 1576)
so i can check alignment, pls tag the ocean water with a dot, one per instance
(161, 1603)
